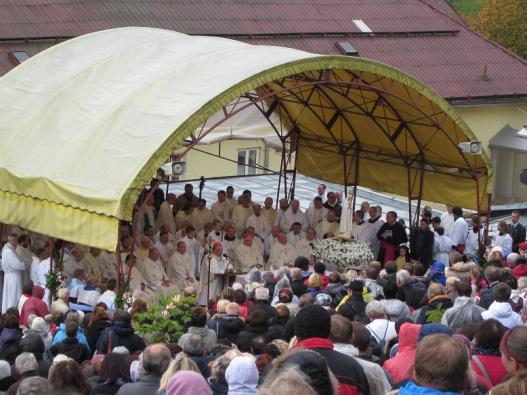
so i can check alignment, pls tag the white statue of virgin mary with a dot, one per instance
(346, 217)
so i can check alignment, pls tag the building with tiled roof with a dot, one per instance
(425, 38)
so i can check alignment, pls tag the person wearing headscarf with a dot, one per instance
(188, 382)
(242, 376)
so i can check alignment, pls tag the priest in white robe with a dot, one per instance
(91, 264)
(221, 209)
(231, 200)
(357, 230)
(305, 246)
(181, 268)
(12, 267)
(230, 242)
(214, 278)
(283, 206)
(261, 225)
(154, 273)
(24, 252)
(165, 247)
(447, 220)
(296, 234)
(316, 213)
(329, 227)
(240, 214)
(371, 228)
(201, 215)
(459, 233)
(268, 211)
(442, 246)
(282, 253)
(247, 255)
(184, 216)
(165, 216)
(143, 217)
(271, 240)
(292, 215)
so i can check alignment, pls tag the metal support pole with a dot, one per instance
(118, 260)
(51, 251)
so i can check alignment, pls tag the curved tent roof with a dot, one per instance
(84, 124)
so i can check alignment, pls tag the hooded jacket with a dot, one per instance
(61, 335)
(10, 344)
(400, 367)
(502, 312)
(242, 376)
(464, 311)
(229, 327)
(208, 335)
(71, 348)
(122, 335)
(33, 343)
(395, 309)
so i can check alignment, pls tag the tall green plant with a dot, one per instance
(435, 315)
(167, 320)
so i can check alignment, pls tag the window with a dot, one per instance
(247, 160)
(18, 56)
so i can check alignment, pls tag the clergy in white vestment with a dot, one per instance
(270, 240)
(230, 242)
(261, 225)
(184, 216)
(292, 215)
(137, 281)
(357, 231)
(165, 216)
(282, 253)
(296, 234)
(365, 208)
(230, 199)
(144, 216)
(258, 243)
(165, 246)
(190, 240)
(69, 262)
(442, 246)
(214, 277)
(13, 267)
(268, 211)
(154, 273)
(371, 228)
(108, 296)
(107, 263)
(503, 238)
(329, 227)
(283, 206)
(240, 214)
(200, 215)
(447, 220)
(181, 268)
(24, 252)
(305, 246)
(91, 264)
(247, 255)
(459, 232)
(216, 234)
(475, 233)
(221, 209)
(316, 213)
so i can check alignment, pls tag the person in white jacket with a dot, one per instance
(500, 309)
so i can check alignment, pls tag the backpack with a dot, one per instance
(379, 345)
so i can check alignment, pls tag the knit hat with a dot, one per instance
(434, 329)
(312, 321)
(242, 376)
(261, 293)
(5, 369)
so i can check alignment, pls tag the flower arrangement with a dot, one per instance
(54, 280)
(123, 299)
(344, 252)
(166, 320)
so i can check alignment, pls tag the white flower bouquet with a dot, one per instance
(345, 253)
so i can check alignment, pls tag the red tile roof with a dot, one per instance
(425, 38)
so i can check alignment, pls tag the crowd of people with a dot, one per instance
(431, 315)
